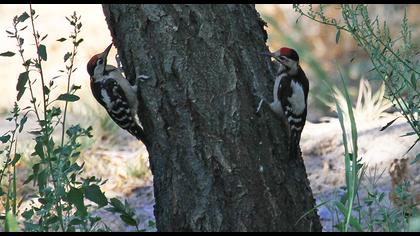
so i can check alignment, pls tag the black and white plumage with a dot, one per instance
(290, 94)
(114, 92)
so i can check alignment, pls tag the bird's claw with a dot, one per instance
(143, 78)
(117, 59)
(259, 106)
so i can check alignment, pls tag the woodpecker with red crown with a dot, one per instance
(114, 92)
(290, 94)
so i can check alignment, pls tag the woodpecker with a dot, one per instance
(290, 94)
(114, 92)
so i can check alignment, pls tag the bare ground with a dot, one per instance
(323, 155)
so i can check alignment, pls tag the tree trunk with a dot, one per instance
(216, 165)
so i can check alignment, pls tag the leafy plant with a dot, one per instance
(60, 200)
(63, 200)
(393, 58)
(353, 166)
(126, 213)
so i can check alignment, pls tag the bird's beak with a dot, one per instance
(272, 54)
(105, 53)
(268, 54)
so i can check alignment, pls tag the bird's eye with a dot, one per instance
(100, 61)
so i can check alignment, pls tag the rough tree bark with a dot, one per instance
(216, 165)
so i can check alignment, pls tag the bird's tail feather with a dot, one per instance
(294, 144)
(137, 132)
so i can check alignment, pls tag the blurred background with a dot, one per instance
(315, 43)
(126, 166)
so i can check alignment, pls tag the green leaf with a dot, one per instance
(341, 207)
(78, 42)
(16, 159)
(52, 220)
(55, 111)
(43, 52)
(23, 17)
(42, 180)
(67, 56)
(75, 196)
(381, 197)
(39, 149)
(388, 124)
(117, 204)
(337, 36)
(4, 138)
(76, 221)
(27, 63)
(417, 158)
(21, 84)
(29, 179)
(22, 123)
(28, 214)
(44, 37)
(75, 87)
(68, 97)
(35, 132)
(352, 221)
(408, 134)
(61, 39)
(94, 193)
(128, 220)
(413, 81)
(152, 223)
(11, 223)
(42, 201)
(35, 168)
(340, 226)
(7, 54)
(46, 90)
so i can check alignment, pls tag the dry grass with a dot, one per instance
(370, 106)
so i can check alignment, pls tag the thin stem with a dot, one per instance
(14, 189)
(70, 71)
(398, 100)
(46, 131)
(27, 70)
(356, 30)
(40, 65)
(9, 151)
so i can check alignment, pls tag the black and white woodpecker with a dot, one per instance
(114, 92)
(290, 95)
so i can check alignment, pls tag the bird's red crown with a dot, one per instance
(286, 51)
(91, 65)
(290, 53)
